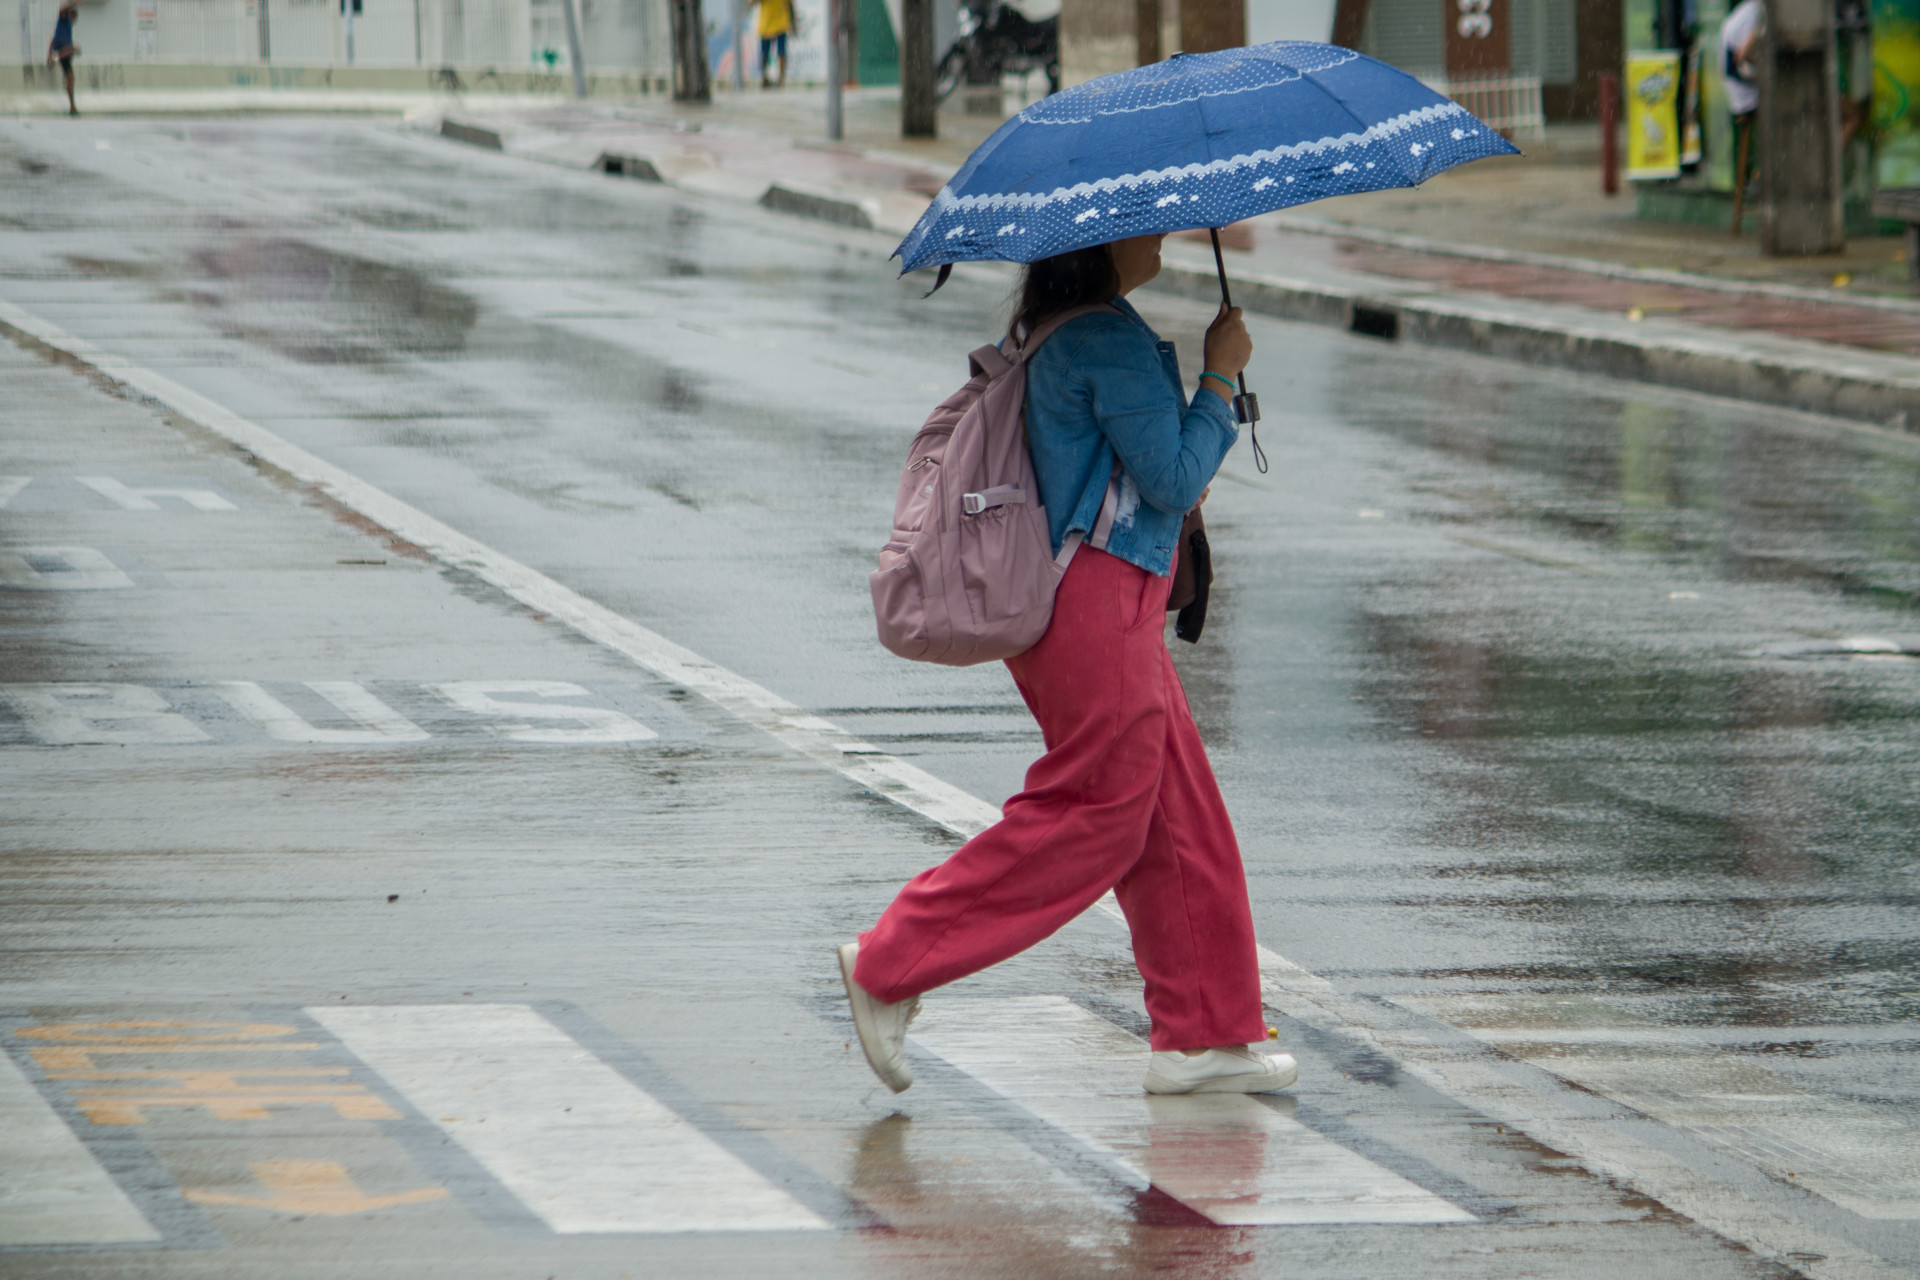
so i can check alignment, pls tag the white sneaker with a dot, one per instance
(882, 1026)
(1235, 1070)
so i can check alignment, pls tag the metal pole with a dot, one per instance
(833, 70)
(573, 50)
(348, 5)
(739, 50)
(1246, 405)
(1609, 133)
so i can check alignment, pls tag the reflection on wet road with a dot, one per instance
(1569, 729)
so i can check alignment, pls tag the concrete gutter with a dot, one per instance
(1818, 377)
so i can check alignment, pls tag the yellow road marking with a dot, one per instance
(313, 1187)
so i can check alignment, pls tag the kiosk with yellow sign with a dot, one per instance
(1653, 117)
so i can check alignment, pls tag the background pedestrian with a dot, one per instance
(64, 49)
(776, 21)
(1739, 35)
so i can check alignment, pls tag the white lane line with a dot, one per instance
(582, 1146)
(52, 1190)
(1561, 1120)
(1239, 1161)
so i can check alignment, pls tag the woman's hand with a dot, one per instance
(1228, 348)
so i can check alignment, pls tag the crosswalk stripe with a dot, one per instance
(582, 1147)
(1857, 1156)
(1235, 1159)
(52, 1190)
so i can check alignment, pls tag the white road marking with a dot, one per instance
(52, 1190)
(378, 721)
(129, 499)
(1239, 1161)
(596, 724)
(59, 569)
(577, 1142)
(1560, 1119)
(10, 486)
(124, 714)
(1505, 1089)
(1857, 1156)
(819, 739)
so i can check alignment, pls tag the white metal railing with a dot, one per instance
(1509, 103)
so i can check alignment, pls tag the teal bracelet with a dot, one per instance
(1231, 389)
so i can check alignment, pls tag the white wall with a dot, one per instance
(617, 35)
(1269, 20)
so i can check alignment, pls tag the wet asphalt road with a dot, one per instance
(1568, 719)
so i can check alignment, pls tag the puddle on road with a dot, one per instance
(321, 306)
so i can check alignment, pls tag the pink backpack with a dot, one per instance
(969, 573)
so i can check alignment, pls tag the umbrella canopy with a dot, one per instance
(1199, 140)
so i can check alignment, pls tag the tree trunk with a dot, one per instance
(1147, 30)
(1208, 25)
(1350, 23)
(1800, 194)
(690, 53)
(917, 117)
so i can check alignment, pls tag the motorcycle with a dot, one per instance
(996, 39)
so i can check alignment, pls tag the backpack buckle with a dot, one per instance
(973, 503)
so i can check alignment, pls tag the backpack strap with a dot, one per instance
(989, 360)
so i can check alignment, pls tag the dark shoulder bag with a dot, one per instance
(1192, 576)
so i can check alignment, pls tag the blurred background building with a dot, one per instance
(186, 43)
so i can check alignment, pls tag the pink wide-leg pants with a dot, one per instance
(1123, 799)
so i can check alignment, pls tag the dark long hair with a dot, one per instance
(1061, 283)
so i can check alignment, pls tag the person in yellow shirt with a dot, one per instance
(776, 20)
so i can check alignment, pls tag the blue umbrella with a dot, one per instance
(1199, 140)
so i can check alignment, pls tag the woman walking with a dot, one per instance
(1124, 798)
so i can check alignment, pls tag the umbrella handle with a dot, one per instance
(1246, 405)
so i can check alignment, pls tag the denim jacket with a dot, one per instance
(1106, 385)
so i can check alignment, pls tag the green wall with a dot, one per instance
(879, 51)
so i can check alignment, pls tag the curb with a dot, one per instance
(1838, 382)
(825, 208)
(471, 134)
